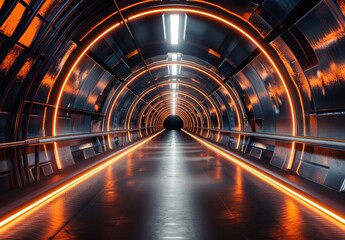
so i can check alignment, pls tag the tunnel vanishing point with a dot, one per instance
(260, 83)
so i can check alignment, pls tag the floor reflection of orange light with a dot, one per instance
(129, 166)
(110, 186)
(270, 180)
(239, 182)
(237, 198)
(73, 183)
(58, 213)
(292, 225)
(218, 169)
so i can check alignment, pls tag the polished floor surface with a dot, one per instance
(173, 188)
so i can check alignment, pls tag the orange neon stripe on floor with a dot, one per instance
(271, 180)
(70, 184)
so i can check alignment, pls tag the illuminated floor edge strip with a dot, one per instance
(269, 179)
(67, 186)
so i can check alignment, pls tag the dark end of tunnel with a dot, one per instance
(173, 122)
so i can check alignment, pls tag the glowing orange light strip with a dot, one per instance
(58, 162)
(67, 186)
(267, 178)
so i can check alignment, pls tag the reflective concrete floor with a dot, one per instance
(173, 188)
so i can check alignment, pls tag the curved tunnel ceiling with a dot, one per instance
(88, 66)
(144, 22)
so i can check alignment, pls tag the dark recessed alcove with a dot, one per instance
(173, 122)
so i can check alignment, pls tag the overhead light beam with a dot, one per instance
(174, 28)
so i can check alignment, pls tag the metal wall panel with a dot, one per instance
(5, 122)
(83, 99)
(49, 79)
(331, 125)
(76, 81)
(36, 125)
(254, 105)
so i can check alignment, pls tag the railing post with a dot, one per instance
(15, 167)
(20, 168)
(26, 165)
(37, 163)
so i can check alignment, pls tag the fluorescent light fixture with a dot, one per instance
(174, 79)
(174, 57)
(173, 86)
(185, 26)
(174, 69)
(164, 28)
(174, 28)
(174, 94)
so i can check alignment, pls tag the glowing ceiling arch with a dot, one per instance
(165, 112)
(204, 13)
(183, 93)
(188, 85)
(182, 102)
(197, 68)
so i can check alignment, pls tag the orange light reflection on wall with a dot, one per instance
(12, 21)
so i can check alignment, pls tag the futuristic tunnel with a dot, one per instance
(167, 119)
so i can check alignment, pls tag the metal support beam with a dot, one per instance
(296, 14)
(134, 42)
(243, 64)
(101, 63)
(67, 109)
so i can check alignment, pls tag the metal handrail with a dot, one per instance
(332, 142)
(67, 137)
